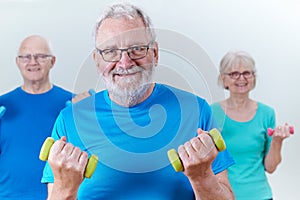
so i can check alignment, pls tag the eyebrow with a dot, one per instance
(115, 46)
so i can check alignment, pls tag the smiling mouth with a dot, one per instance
(33, 69)
(125, 74)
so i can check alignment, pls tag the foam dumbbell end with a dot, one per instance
(44, 153)
(92, 92)
(90, 167)
(271, 131)
(175, 160)
(218, 139)
(174, 157)
(2, 111)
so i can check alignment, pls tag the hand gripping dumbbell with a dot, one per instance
(271, 131)
(90, 167)
(216, 137)
(2, 111)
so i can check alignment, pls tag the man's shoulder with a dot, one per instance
(10, 93)
(61, 90)
(176, 90)
(181, 94)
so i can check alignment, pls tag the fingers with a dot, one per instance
(66, 157)
(198, 149)
(81, 96)
(282, 131)
(197, 155)
(67, 163)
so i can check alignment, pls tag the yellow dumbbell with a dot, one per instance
(90, 167)
(175, 160)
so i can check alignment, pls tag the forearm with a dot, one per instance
(56, 192)
(212, 187)
(273, 157)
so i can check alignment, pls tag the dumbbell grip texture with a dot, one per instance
(90, 167)
(271, 131)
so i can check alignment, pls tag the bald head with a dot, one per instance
(35, 60)
(35, 44)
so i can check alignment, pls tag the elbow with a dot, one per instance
(270, 168)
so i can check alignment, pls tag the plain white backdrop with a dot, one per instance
(268, 30)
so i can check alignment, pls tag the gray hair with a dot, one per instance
(124, 10)
(233, 58)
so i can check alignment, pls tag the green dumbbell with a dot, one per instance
(90, 167)
(174, 157)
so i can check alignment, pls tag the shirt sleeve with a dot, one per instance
(271, 124)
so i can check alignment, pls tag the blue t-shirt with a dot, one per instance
(132, 143)
(248, 143)
(28, 120)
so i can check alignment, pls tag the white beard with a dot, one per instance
(128, 91)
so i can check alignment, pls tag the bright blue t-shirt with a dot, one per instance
(248, 143)
(132, 143)
(28, 120)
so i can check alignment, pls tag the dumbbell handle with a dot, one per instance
(90, 167)
(271, 131)
(2, 111)
(174, 157)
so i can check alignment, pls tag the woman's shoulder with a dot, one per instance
(265, 108)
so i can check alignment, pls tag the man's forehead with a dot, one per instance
(34, 46)
(122, 41)
(119, 32)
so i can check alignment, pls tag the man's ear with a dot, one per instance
(96, 58)
(155, 53)
(53, 60)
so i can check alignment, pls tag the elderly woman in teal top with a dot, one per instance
(244, 124)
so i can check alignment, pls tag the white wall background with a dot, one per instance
(268, 30)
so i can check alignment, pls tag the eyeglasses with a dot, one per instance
(237, 75)
(40, 58)
(115, 55)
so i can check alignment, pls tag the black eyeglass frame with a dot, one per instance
(128, 50)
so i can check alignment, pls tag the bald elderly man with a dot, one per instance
(31, 110)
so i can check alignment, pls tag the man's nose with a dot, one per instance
(126, 62)
(32, 60)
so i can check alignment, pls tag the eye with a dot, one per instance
(246, 73)
(25, 57)
(110, 51)
(42, 56)
(136, 48)
(235, 74)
